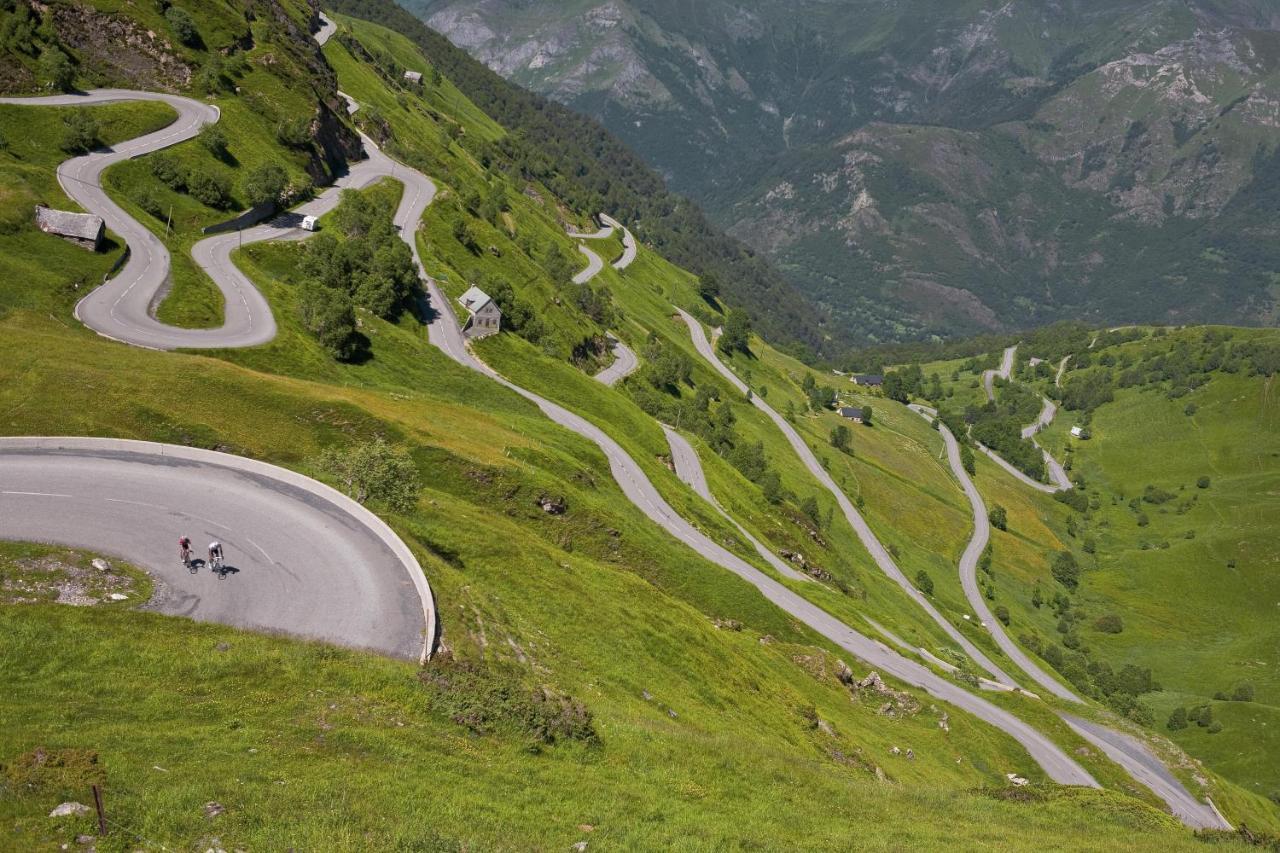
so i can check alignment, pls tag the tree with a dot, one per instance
(81, 132)
(56, 70)
(208, 189)
(709, 286)
(999, 518)
(840, 438)
(737, 333)
(183, 26)
(866, 415)
(966, 459)
(1177, 720)
(1066, 570)
(375, 471)
(809, 506)
(214, 141)
(924, 582)
(265, 183)
(1037, 598)
(327, 314)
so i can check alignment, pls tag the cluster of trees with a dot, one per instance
(589, 169)
(1201, 715)
(819, 397)
(210, 189)
(366, 266)
(736, 336)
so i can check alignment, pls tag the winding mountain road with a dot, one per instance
(93, 511)
(307, 560)
(869, 541)
(594, 265)
(1125, 750)
(624, 364)
(689, 470)
(1005, 371)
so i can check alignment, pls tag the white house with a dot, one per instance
(1076, 431)
(413, 78)
(485, 316)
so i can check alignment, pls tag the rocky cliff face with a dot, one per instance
(923, 169)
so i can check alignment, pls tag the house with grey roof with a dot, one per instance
(853, 413)
(485, 317)
(413, 78)
(83, 229)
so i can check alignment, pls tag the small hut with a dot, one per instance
(83, 229)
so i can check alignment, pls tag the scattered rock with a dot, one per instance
(222, 647)
(880, 774)
(826, 728)
(118, 596)
(895, 751)
(1083, 750)
(727, 624)
(766, 639)
(1017, 780)
(898, 702)
(84, 839)
(70, 809)
(552, 505)
(843, 672)
(911, 754)
(580, 846)
(945, 722)
(671, 712)
(101, 564)
(646, 695)
(213, 809)
(586, 827)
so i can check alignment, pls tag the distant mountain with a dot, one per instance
(923, 167)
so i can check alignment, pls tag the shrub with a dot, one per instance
(1189, 410)
(56, 70)
(1109, 624)
(1002, 613)
(296, 132)
(265, 183)
(183, 26)
(1143, 520)
(148, 201)
(999, 518)
(81, 133)
(208, 189)
(1066, 570)
(967, 460)
(924, 582)
(1073, 498)
(1201, 715)
(1243, 692)
(168, 172)
(1215, 727)
(374, 471)
(1202, 483)
(214, 140)
(809, 506)
(1177, 720)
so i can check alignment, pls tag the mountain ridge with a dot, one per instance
(1118, 123)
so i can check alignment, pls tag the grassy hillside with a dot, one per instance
(1175, 534)
(595, 672)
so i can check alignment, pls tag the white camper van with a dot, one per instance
(310, 223)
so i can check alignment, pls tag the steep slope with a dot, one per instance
(925, 169)
(490, 467)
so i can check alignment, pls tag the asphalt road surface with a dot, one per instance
(969, 567)
(689, 470)
(594, 265)
(869, 541)
(1006, 369)
(624, 364)
(300, 563)
(323, 550)
(1125, 750)
(120, 309)
(628, 242)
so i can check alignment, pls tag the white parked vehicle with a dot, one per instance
(310, 223)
